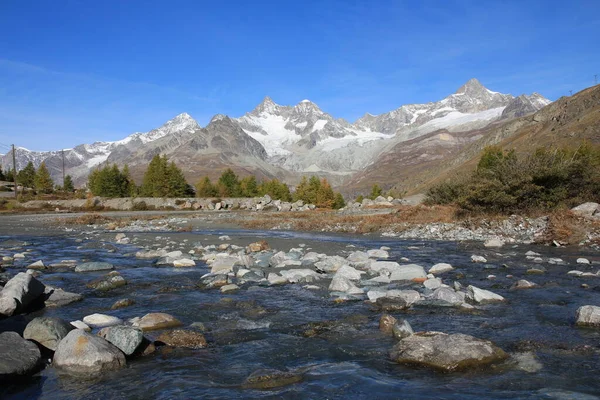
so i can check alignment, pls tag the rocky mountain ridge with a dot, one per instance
(287, 141)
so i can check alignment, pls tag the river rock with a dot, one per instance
(47, 331)
(408, 272)
(56, 297)
(348, 272)
(493, 243)
(212, 281)
(523, 284)
(482, 296)
(122, 304)
(395, 304)
(447, 296)
(258, 246)
(81, 325)
(125, 338)
(588, 316)
(446, 352)
(18, 357)
(184, 262)
(402, 329)
(101, 320)
(432, 283)
(409, 296)
(386, 323)
(108, 282)
(94, 266)
(440, 268)
(269, 379)
(343, 284)
(378, 253)
(275, 279)
(478, 259)
(582, 260)
(331, 263)
(358, 259)
(83, 353)
(150, 254)
(183, 338)
(19, 292)
(229, 288)
(224, 264)
(297, 275)
(155, 321)
(37, 265)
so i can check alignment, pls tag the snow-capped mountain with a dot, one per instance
(275, 140)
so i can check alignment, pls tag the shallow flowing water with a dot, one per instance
(262, 327)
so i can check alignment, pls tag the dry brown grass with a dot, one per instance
(567, 228)
(401, 218)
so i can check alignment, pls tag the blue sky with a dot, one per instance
(74, 72)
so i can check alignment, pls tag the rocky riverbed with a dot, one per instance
(211, 311)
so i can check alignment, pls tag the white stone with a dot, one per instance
(374, 294)
(81, 325)
(184, 262)
(408, 272)
(583, 261)
(478, 259)
(482, 296)
(377, 253)
(229, 288)
(433, 283)
(275, 279)
(494, 243)
(101, 320)
(440, 268)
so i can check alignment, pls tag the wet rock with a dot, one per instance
(269, 379)
(56, 297)
(224, 264)
(409, 296)
(298, 275)
(183, 338)
(447, 296)
(155, 321)
(378, 253)
(446, 352)
(184, 262)
(432, 284)
(392, 304)
(229, 288)
(331, 264)
(47, 331)
(101, 320)
(409, 272)
(374, 294)
(440, 268)
(37, 265)
(493, 243)
(402, 329)
(358, 259)
(343, 284)
(20, 292)
(108, 282)
(125, 338)
(94, 266)
(386, 323)
(523, 284)
(583, 261)
(588, 316)
(83, 353)
(122, 304)
(81, 325)
(348, 272)
(169, 258)
(258, 246)
(275, 279)
(18, 357)
(150, 254)
(216, 280)
(478, 259)
(482, 296)
(526, 362)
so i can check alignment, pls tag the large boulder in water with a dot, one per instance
(126, 338)
(19, 292)
(588, 316)
(83, 353)
(183, 338)
(94, 266)
(446, 352)
(18, 357)
(108, 282)
(47, 331)
(155, 321)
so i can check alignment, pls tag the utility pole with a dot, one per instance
(14, 169)
(595, 79)
(63, 165)
(570, 91)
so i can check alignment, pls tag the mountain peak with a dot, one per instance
(267, 105)
(472, 86)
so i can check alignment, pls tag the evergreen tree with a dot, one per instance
(277, 190)
(314, 185)
(339, 201)
(69, 187)
(176, 183)
(128, 186)
(249, 186)
(375, 192)
(205, 188)
(229, 185)
(9, 176)
(2, 177)
(26, 176)
(301, 192)
(164, 179)
(109, 181)
(42, 181)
